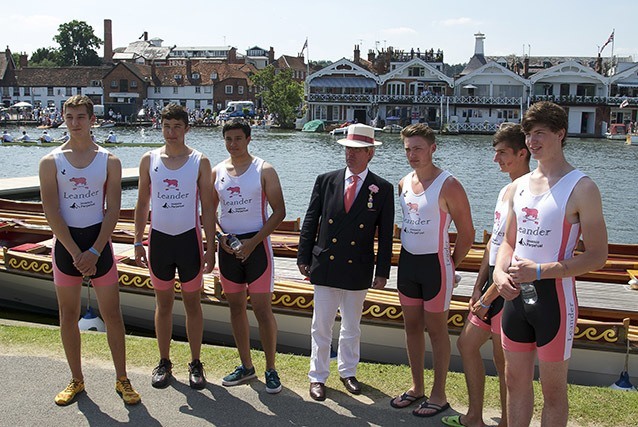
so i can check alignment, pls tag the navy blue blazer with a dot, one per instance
(339, 246)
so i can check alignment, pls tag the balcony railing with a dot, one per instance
(334, 97)
(485, 100)
(472, 127)
(468, 100)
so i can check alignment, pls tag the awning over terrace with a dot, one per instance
(349, 82)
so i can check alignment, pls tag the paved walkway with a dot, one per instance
(30, 383)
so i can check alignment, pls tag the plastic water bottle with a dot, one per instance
(232, 240)
(528, 293)
(234, 243)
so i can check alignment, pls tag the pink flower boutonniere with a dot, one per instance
(373, 190)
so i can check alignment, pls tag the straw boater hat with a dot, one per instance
(360, 135)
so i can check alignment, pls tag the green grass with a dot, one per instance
(589, 406)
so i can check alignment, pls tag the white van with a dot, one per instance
(236, 109)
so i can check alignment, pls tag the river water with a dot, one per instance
(299, 157)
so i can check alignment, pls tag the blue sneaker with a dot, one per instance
(273, 384)
(238, 376)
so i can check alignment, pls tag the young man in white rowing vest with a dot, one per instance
(175, 179)
(548, 211)
(431, 198)
(245, 186)
(80, 185)
(486, 309)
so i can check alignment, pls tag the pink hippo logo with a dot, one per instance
(233, 191)
(413, 208)
(531, 214)
(171, 183)
(79, 182)
(497, 216)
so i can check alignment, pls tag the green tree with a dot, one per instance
(282, 96)
(44, 57)
(77, 44)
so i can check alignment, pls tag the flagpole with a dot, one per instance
(613, 40)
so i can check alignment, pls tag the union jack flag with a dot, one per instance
(609, 40)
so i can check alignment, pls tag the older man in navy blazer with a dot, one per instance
(336, 251)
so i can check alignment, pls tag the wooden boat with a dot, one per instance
(285, 240)
(617, 131)
(26, 281)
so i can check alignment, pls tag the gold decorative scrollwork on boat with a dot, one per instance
(592, 333)
(292, 301)
(388, 312)
(30, 265)
(456, 320)
(135, 280)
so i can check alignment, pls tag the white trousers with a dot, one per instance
(326, 302)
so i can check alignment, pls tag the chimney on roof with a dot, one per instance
(371, 55)
(357, 54)
(232, 55)
(526, 67)
(599, 64)
(271, 55)
(23, 61)
(189, 68)
(478, 45)
(108, 42)
(152, 70)
(145, 36)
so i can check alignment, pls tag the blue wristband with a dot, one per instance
(538, 272)
(482, 304)
(94, 251)
(136, 244)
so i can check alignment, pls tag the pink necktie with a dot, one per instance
(351, 192)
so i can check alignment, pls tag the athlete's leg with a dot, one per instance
(436, 325)
(261, 304)
(194, 321)
(499, 363)
(414, 321)
(519, 374)
(241, 328)
(469, 344)
(108, 298)
(554, 385)
(69, 308)
(164, 320)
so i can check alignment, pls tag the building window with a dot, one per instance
(123, 85)
(78, 90)
(228, 89)
(157, 89)
(68, 91)
(197, 104)
(16, 91)
(27, 91)
(198, 89)
(133, 83)
(49, 91)
(175, 89)
(114, 83)
(240, 90)
(208, 89)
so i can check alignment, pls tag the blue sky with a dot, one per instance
(542, 27)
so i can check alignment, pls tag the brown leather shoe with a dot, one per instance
(352, 385)
(318, 391)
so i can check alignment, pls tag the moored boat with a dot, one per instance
(617, 131)
(26, 279)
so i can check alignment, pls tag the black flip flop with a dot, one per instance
(405, 396)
